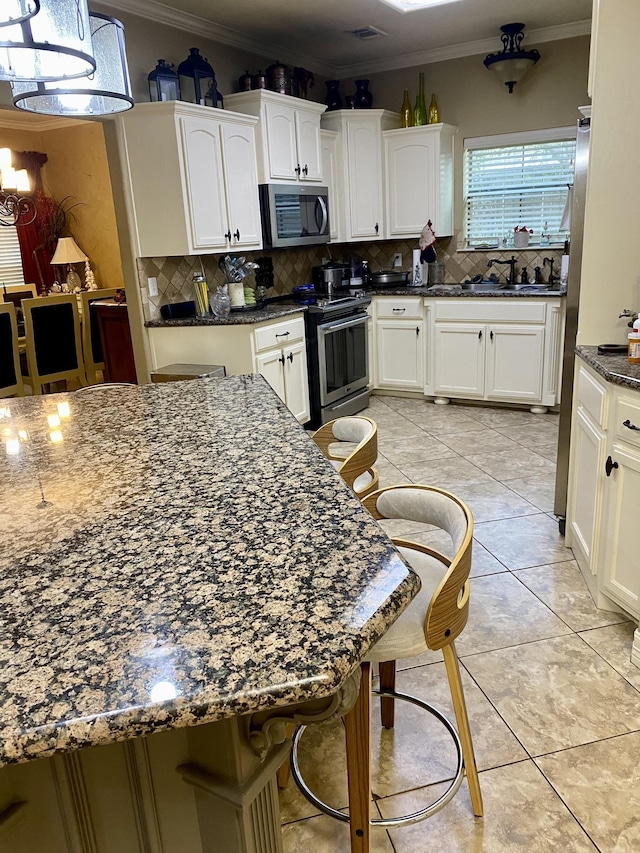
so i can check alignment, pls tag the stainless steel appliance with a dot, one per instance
(571, 328)
(331, 277)
(293, 215)
(337, 350)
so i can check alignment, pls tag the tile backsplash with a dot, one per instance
(293, 266)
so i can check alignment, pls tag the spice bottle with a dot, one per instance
(634, 344)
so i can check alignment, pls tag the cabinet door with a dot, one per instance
(515, 359)
(204, 184)
(270, 365)
(400, 354)
(241, 174)
(364, 170)
(459, 359)
(330, 170)
(309, 148)
(619, 552)
(412, 179)
(585, 490)
(296, 381)
(281, 141)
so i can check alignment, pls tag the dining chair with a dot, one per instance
(54, 351)
(353, 463)
(433, 620)
(11, 384)
(91, 341)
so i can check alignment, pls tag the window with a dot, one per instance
(517, 180)
(10, 258)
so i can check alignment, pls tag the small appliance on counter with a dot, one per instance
(331, 277)
(388, 278)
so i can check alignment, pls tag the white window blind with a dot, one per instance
(522, 185)
(10, 258)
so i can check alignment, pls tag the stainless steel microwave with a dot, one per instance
(294, 215)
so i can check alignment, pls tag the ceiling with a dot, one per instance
(314, 33)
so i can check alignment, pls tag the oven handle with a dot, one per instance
(343, 324)
(322, 227)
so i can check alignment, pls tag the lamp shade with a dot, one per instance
(68, 252)
(106, 91)
(16, 11)
(54, 44)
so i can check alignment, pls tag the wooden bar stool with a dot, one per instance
(355, 465)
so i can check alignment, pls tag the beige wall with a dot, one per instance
(472, 99)
(610, 272)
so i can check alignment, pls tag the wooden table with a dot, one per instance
(180, 570)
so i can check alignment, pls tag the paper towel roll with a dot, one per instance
(417, 272)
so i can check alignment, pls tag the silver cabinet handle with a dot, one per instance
(629, 425)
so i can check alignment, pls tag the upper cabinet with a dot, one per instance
(360, 170)
(192, 179)
(418, 165)
(330, 170)
(289, 146)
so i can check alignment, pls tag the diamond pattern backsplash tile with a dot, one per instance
(293, 266)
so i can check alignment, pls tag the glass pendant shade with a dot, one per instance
(103, 92)
(16, 11)
(55, 44)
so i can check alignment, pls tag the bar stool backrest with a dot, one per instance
(10, 375)
(54, 352)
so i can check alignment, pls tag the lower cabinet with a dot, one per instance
(276, 349)
(399, 343)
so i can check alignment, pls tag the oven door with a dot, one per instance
(342, 357)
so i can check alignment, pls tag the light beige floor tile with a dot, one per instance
(484, 563)
(492, 501)
(522, 814)
(502, 613)
(600, 783)
(478, 441)
(439, 424)
(547, 451)
(556, 693)
(538, 489)
(388, 474)
(538, 431)
(614, 645)
(520, 543)
(507, 465)
(562, 588)
(445, 473)
(411, 450)
(499, 418)
(323, 834)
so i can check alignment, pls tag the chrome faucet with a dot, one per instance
(512, 267)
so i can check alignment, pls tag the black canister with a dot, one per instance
(245, 82)
(259, 81)
(279, 78)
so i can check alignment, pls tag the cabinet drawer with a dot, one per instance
(627, 420)
(491, 310)
(399, 307)
(593, 398)
(278, 334)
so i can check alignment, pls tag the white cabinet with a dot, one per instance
(360, 177)
(191, 178)
(288, 135)
(330, 171)
(505, 350)
(418, 168)
(399, 343)
(276, 349)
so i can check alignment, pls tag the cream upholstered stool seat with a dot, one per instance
(433, 620)
(354, 461)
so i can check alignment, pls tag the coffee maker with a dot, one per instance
(331, 278)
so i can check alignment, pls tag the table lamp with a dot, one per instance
(68, 252)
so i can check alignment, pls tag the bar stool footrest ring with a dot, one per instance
(403, 820)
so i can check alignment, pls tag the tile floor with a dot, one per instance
(553, 699)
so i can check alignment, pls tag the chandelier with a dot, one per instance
(15, 208)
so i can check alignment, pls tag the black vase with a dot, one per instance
(363, 98)
(333, 99)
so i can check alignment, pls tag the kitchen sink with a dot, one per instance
(491, 285)
(480, 285)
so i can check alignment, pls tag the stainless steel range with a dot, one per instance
(337, 344)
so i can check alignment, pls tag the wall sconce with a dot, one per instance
(15, 209)
(512, 63)
(68, 252)
(17, 11)
(104, 92)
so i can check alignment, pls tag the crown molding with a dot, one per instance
(21, 120)
(190, 23)
(457, 51)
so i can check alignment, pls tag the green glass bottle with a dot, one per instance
(406, 113)
(433, 116)
(420, 110)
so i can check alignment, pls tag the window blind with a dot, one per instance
(514, 186)
(10, 257)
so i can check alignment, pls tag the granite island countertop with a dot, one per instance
(614, 368)
(171, 555)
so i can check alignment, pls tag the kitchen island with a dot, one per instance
(180, 570)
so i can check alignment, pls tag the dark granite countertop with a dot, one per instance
(450, 290)
(614, 368)
(197, 558)
(272, 311)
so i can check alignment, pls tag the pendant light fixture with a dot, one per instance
(17, 11)
(512, 63)
(105, 91)
(53, 44)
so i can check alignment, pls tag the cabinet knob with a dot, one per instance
(491, 335)
(228, 235)
(480, 335)
(609, 465)
(306, 169)
(297, 170)
(281, 359)
(417, 330)
(290, 357)
(236, 234)
(629, 425)
(377, 228)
